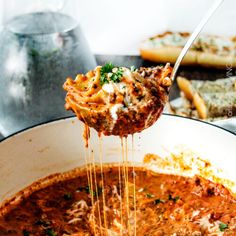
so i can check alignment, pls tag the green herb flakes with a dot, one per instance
(50, 232)
(88, 191)
(174, 199)
(109, 72)
(157, 201)
(223, 226)
(149, 195)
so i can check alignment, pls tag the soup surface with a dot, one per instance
(122, 202)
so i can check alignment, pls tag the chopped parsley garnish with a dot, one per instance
(109, 72)
(67, 196)
(223, 226)
(157, 201)
(115, 77)
(25, 232)
(88, 191)
(50, 232)
(107, 68)
(149, 195)
(174, 199)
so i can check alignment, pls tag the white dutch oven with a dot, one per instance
(58, 146)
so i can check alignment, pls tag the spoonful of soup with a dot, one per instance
(121, 101)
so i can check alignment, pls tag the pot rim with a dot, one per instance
(73, 116)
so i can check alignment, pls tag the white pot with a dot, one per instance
(58, 146)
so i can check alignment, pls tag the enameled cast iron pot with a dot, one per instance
(58, 146)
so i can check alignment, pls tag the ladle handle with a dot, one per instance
(194, 35)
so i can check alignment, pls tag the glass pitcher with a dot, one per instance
(41, 45)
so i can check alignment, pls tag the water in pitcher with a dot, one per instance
(38, 51)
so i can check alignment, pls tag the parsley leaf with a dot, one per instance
(50, 232)
(157, 201)
(115, 77)
(107, 68)
(115, 73)
(149, 195)
(174, 199)
(103, 79)
(223, 226)
(89, 191)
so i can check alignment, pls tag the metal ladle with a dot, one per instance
(194, 35)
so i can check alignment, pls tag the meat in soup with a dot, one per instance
(157, 204)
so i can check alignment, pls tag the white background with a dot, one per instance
(118, 26)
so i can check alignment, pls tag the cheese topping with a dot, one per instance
(206, 43)
(114, 110)
(109, 88)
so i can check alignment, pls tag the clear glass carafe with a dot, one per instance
(41, 45)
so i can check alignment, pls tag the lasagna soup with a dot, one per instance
(153, 204)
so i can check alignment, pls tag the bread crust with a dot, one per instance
(168, 54)
(213, 60)
(195, 56)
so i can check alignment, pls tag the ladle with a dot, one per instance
(194, 35)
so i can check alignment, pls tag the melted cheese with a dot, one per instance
(109, 88)
(222, 45)
(212, 228)
(174, 39)
(114, 109)
(77, 211)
